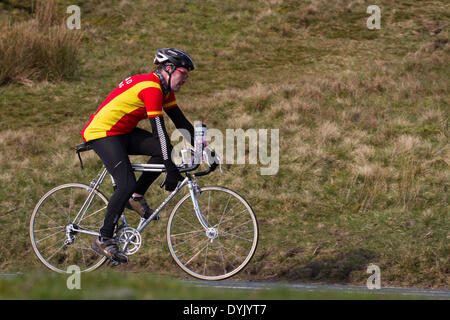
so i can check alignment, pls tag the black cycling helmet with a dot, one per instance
(174, 56)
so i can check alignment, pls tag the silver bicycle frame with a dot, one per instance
(141, 167)
(190, 184)
(95, 184)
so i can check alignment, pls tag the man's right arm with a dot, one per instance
(173, 175)
(180, 121)
(152, 98)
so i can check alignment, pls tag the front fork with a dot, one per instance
(194, 190)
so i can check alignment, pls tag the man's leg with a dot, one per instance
(113, 152)
(147, 178)
(145, 143)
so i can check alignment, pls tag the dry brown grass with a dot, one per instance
(39, 49)
(46, 12)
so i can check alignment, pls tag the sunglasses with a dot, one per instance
(184, 73)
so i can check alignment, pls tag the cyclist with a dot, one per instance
(113, 134)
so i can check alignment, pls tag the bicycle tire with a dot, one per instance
(234, 249)
(51, 216)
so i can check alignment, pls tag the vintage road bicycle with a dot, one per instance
(212, 232)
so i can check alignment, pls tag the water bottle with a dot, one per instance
(199, 141)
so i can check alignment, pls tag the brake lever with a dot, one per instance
(214, 164)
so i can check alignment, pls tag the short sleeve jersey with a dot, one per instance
(136, 98)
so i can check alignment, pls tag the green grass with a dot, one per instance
(363, 119)
(111, 285)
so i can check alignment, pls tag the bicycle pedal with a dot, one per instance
(115, 263)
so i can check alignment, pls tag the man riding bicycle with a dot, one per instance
(113, 134)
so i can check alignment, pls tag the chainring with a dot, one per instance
(131, 239)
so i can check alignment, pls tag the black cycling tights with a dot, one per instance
(114, 151)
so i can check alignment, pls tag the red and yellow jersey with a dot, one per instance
(136, 98)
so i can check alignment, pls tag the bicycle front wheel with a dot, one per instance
(57, 239)
(223, 249)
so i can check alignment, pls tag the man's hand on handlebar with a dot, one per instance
(173, 176)
(210, 157)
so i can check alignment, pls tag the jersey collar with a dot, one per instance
(164, 87)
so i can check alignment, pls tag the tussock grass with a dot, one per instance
(41, 48)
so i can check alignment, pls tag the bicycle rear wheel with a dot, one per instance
(226, 247)
(53, 231)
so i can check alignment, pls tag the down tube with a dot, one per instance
(162, 205)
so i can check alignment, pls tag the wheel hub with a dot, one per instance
(71, 231)
(212, 233)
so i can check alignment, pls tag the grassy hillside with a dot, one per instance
(363, 119)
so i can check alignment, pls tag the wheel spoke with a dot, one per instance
(186, 240)
(206, 256)
(85, 218)
(57, 243)
(51, 235)
(51, 228)
(234, 235)
(209, 208)
(51, 219)
(187, 222)
(223, 261)
(230, 251)
(192, 249)
(226, 206)
(60, 248)
(61, 206)
(239, 225)
(230, 218)
(198, 252)
(183, 233)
